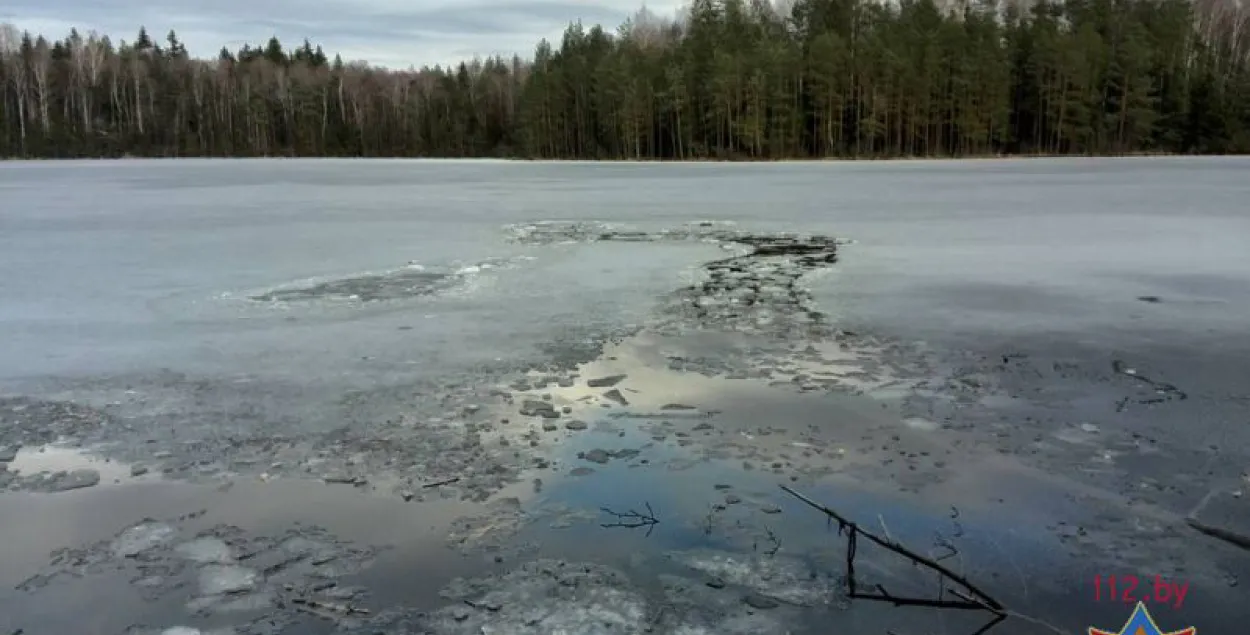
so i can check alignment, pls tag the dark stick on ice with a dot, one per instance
(980, 631)
(632, 519)
(999, 616)
(1231, 537)
(316, 605)
(975, 599)
(441, 483)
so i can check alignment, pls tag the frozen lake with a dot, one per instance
(130, 266)
(245, 320)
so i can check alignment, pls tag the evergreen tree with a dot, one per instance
(734, 79)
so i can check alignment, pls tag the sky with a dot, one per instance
(393, 33)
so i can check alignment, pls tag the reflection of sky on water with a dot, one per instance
(1020, 564)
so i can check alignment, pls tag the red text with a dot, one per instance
(1131, 589)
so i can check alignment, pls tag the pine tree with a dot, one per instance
(729, 79)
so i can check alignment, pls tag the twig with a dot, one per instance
(345, 609)
(772, 538)
(885, 530)
(978, 600)
(1231, 537)
(632, 519)
(994, 621)
(455, 479)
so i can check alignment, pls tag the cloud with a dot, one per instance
(396, 33)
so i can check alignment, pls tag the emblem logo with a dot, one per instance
(1141, 623)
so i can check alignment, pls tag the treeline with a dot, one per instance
(729, 79)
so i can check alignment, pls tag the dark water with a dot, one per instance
(206, 299)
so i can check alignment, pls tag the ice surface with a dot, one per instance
(220, 579)
(206, 550)
(142, 537)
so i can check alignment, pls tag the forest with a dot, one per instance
(722, 80)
